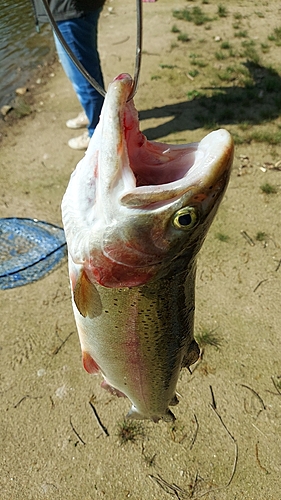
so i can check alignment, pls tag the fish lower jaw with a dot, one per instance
(136, 415)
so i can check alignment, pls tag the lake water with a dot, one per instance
(22, 49)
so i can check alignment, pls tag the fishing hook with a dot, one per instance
(80, 66)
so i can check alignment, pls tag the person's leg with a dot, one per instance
(81, 36)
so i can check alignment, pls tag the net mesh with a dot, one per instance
(29, 249)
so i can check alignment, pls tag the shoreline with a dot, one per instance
(22, 102)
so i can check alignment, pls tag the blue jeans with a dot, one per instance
(81, 36)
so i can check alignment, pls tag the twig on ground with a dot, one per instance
(248, 238)
(278, 266)
(75, 432)
(172, 489)
(195, 433)
(213, 398)
(103, 428)
(26, 397)
(235, 455)
(256, 394)
(259, 284)
(122, 41)
(276, 387)
(262, 433)
(149, 460)
(57, 349)
(258, 460)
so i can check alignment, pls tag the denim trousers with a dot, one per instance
(81, 36)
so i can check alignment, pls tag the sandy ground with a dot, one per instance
(52, 446)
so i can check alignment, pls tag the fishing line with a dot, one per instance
(80, 66)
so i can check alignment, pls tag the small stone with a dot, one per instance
(217, 38)
(61, 391)
(21, 90)
(5, 109)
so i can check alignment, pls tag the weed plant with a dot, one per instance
(195, 15)
(268, 188)
(130, 431)
(222, 11)
(208, 338)
(222, 237)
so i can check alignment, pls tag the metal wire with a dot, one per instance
(138, 50)
(80, 66)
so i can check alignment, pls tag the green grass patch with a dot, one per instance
(250, 52)
(241, 34)
(220, 56)
(268, 188)
(175, 29)
(238, 140)
(225, 45)
(222, 237)
(265, 47)
(227, 75)
(276, 36)
(238, 16)
(195, 15)
(199, 63)
(244, 126)
(261, 236)
(222, 11)
(208, 338)
(183, 37)
(167, 66)
(265, 136)
(194, 94)
(193, 73)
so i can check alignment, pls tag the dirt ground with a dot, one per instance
(52, 446)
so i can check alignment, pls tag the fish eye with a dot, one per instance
(185, 218)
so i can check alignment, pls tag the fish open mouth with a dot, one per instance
(155, 172)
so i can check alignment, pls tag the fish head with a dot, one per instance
(135, 209)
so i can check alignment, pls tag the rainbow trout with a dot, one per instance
(135, 215)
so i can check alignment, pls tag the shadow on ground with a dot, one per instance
(258, 101)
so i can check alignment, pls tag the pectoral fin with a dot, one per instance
(86, 297)
(89, 363)
(192, 354)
